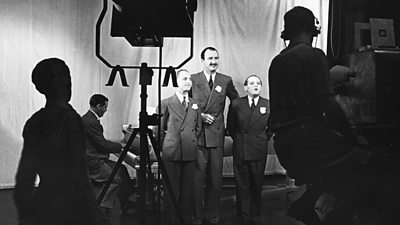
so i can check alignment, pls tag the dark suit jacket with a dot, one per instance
(213, 102)
(54, 149)
(98, 148)
(249, 128)
(179, 129)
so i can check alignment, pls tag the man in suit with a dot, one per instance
(210, 88)
(98, 150)
(247, 125)
(179, 129)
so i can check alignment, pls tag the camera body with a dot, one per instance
(372, 94)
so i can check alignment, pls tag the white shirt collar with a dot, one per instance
(255, 100)
(98, 118)
(208, 76)
(180, 96)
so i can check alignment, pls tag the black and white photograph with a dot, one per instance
(199, 112)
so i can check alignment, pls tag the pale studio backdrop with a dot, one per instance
(246, 33)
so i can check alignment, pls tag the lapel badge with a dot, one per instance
(218, 89)
(195, 106)
(263, 110)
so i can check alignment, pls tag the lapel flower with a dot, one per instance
(218, 89)
(195, 106)
(263, 110)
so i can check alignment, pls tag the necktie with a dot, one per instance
(253, 105)
(210, 83)
(184, 103)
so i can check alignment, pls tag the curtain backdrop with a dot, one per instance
(245, 32)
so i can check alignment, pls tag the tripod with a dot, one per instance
(144, 121)
(145, 166)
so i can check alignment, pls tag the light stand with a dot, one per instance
(144, 121)
(145, 166)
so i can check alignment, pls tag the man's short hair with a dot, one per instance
(253, 75)
(46, 71)
(204, 51)
(297, 20)
(98, 99)
(180, 71)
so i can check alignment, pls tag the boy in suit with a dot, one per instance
(180, 127)
(247, 124)
(210, 88)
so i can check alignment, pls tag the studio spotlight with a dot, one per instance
(146, 22)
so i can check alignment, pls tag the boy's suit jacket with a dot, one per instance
(213, 102)
(179, 129)
(249, 128)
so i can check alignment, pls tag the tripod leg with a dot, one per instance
(152, 187)
(165, 176)
(117, 165)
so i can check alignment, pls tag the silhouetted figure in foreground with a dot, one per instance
(54, 149)
(313, 138)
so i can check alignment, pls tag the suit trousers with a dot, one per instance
(208, 185)
(180, 174)
(121, 186)
(249, 180)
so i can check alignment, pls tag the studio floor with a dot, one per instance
(277, 195)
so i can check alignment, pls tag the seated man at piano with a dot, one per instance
(98, 150)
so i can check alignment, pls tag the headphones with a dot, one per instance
(298, 19)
